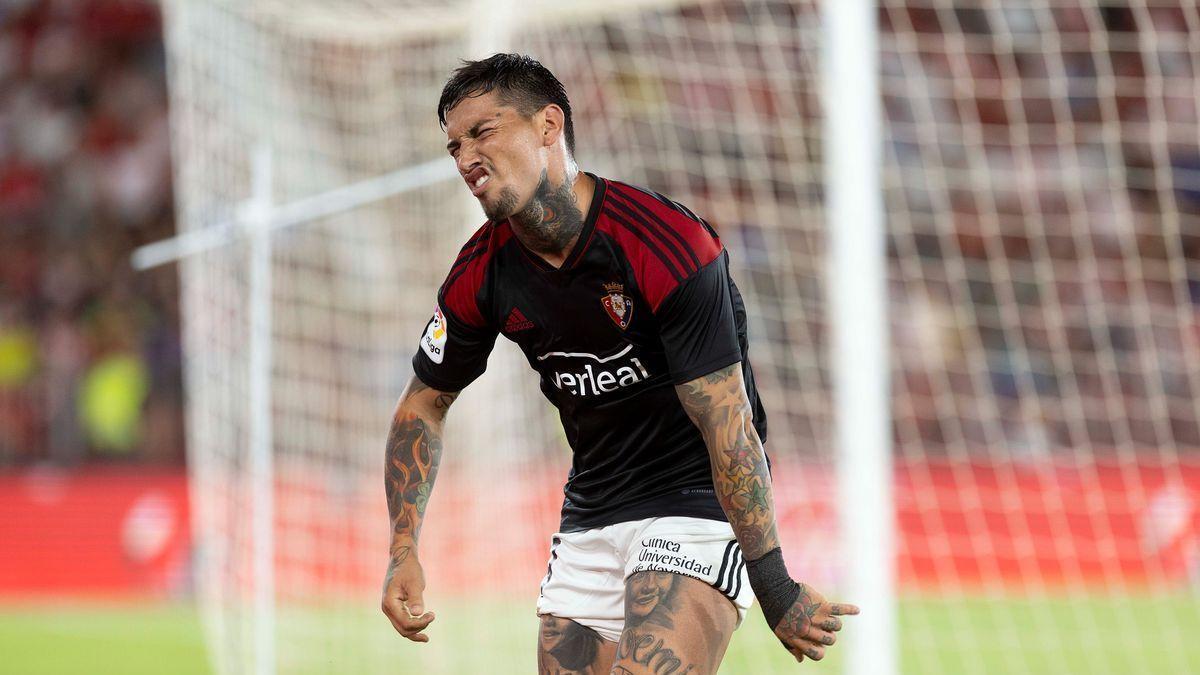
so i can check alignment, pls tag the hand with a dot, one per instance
(811, 624)
(403, 588)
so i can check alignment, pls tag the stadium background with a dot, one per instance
(96, 568)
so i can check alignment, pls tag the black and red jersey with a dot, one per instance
(643, 302)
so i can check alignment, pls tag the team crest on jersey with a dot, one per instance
(618, 305)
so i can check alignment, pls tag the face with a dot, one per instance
(647, 590)
(552, 631)
(500, 154)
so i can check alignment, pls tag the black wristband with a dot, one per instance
(774, 588)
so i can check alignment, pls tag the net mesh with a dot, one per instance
(1042, 199)
(1042, 193)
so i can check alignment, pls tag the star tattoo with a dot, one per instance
(741, 457)
(757, 496)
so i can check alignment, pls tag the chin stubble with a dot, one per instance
(505, 205)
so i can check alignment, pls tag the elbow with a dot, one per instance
(727, 429)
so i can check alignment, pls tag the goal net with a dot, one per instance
(1042, 195)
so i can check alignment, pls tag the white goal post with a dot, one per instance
(966, 233)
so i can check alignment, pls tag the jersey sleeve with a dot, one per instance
(453, 353)
(664, 242)
(698, 325)
(455, 345)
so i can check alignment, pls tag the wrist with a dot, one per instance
(402, 548)
(773, 586)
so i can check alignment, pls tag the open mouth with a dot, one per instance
(478, 180)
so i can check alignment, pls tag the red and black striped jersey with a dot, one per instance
(643, 302)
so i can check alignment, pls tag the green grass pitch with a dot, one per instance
(1083, 634)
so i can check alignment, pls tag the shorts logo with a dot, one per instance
(433, 342)
(618, 305)
(663, 555)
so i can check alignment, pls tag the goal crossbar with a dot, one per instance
(303, 210)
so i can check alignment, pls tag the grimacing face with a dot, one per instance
(499, 152)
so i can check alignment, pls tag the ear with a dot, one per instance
(551, 120)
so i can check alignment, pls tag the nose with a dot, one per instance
(467, 160)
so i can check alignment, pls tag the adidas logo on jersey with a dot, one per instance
(516, 322)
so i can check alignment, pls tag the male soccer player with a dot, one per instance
(621, 299)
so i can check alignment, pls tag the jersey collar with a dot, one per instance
(585, 234)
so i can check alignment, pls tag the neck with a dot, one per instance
(550, 224)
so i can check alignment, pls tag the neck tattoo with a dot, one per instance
(551, 219)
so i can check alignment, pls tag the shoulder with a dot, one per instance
(458, 293)
(665, 242)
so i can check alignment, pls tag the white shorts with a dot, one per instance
(585, 580)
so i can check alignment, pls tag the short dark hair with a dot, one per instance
(522, 82)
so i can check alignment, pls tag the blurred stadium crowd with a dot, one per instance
(89, 350)
(1041, 287)
(1043, 175)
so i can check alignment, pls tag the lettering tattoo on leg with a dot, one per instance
(650, 603)
(649, 650)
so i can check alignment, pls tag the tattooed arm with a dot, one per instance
(414, 449)
(718, 405)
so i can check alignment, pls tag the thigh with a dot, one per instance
(584, 583)
(674, 625)
(568, 648)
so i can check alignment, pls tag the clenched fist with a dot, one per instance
(403, 590)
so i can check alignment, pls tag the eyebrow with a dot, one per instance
(473, 131)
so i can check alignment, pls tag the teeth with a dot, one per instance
(482, 179)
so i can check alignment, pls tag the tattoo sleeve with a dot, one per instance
(718, 405)
(414, 450)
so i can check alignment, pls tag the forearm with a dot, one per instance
(414, 451)
(743, 486)
(718, 406)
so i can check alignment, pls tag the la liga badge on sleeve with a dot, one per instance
(618, 305)
(434, 339)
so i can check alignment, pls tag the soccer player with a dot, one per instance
(621, 299)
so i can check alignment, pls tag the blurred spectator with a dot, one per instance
(1043, 185)
(89, 351)
(1057, 177)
